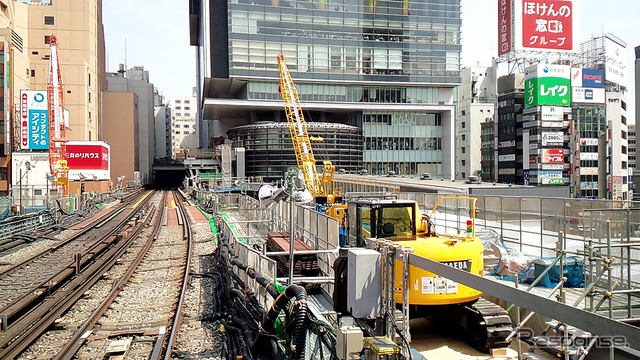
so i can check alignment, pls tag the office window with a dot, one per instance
(49, 20)
(187, 108)
(47, 39)
(33, 73)
(464, 150)
(464, 124)
(187, 101)
(178, 101)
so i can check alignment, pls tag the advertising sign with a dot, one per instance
(547, 24)
(550, 174)
(592, 78)
(552, 166)
(533, 160)
(7, 98)
(547, 85)
(88, 159)
(510, 143)
(583, 95)
(588, 156)
(552, 181)
(552, 138)
(588, 171)
(505, 23)
(588, 185)
(576, 77)
(34, 120)
(551, 113)
(615, 62)
(589, 142)
(553, 156)
(507, 157)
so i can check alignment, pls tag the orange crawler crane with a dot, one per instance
(57, 134)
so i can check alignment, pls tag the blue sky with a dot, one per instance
(157, 36)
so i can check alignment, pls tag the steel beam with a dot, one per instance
(581, 319)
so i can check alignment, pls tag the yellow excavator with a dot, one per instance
(482, 323)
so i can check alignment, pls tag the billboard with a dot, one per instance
(547, 24)
(593, 78)
(505, 23)
(551, 113)
(547, 85)
(615, 62)
(554, 138)
(583, 95)
(550, 174)
(88, 159)
(552, 181)
(553, 156)
(34, 120)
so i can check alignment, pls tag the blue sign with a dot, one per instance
(592, 78)
(588, 94)
(38, 129)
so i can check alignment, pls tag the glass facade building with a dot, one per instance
(386, 67)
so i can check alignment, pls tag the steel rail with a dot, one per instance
(178, 316)
(39, 317)
(44, 288)
(69, 350)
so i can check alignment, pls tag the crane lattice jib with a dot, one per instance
(298, 129)
(57, 133)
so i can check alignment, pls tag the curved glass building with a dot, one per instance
(269, 151)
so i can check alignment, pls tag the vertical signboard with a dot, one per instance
(615, 62)
(547, 85)
(505, 23)
(7, 98)
(34, 120)
(547, 24)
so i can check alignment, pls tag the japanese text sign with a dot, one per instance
(547, 24)
(505, 24)
(34, 120)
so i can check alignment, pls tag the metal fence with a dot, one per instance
(531, 225)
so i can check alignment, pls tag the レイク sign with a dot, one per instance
(547, 24)
(547, 85)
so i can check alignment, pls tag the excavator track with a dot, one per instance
(488, 324)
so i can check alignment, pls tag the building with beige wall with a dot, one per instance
(78, 27)
(120, 123)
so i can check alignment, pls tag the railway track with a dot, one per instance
(134, 306)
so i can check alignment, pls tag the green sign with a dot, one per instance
(210, 176)
(553, 181)
(547, 85)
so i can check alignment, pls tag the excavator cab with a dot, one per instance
(381, 218)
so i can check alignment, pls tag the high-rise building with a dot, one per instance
(162, 136)
(388, 68)
(78, 28)
(607, 54)
(476, 104)
(184, 132)
(509, 128)
(136, 80)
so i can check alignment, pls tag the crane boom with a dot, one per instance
(319, 186)
(57, 133)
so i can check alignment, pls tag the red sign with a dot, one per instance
(24, 104)
(87, 157)
(553, 156)
(533, 160)
(547, 24)
(504, 26)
